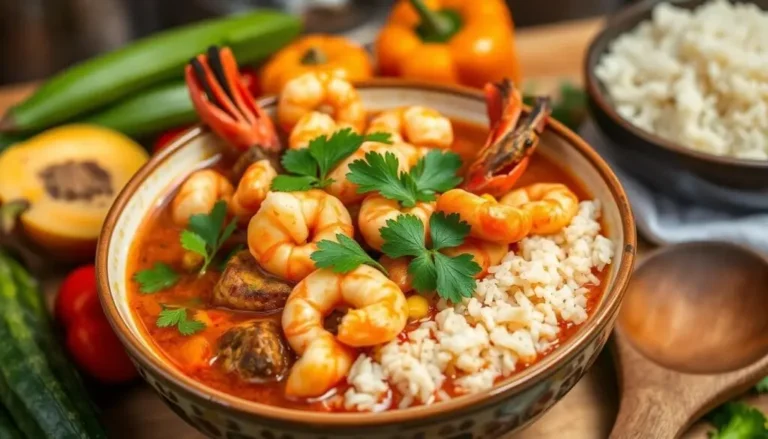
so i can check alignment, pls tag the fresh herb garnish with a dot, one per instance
(762, 386)
(177, 317)
(309, 167)
(342, 256)
(452, 277)
(206, 233)
(737, 420)
(435, 172)
(159, 277)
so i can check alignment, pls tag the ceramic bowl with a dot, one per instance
(725, 171)
(509, 406)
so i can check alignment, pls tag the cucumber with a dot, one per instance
(147, 62)
(157, 109)
(8, 429)
(31, 298)
(38, 402)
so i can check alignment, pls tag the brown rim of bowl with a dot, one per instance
(595, 89)
(141, 350)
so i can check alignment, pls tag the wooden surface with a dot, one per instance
(549, 55)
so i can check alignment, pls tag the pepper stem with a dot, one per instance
(314, 56)
(437, 26)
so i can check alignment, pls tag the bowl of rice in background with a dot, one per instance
(685, 84)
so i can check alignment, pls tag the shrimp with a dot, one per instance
(378, 313)
(398, 271)
(485, 253)
(345, 190)
(252, 189)
(286, 229)
(309, 126)
(552, 206)
(417, 125)
(489, 220)
(318, 91)
(376, 210)
(198, 194)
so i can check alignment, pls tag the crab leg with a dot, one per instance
(221, 100)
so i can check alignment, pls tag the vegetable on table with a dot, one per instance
(335, 55)
(66, 179)
(8, 429)
(737, 420)
(449, 41)
(147, 62)
(90, 339)
(38, 386)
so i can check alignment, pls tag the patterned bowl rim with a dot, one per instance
(141, 349)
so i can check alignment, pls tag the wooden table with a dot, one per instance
(549, 55)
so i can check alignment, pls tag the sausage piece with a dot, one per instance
(245, 286)
(256, 351)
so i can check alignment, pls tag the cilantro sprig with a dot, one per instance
(451, 277)
(309, 167)
(737, 420)
(342, 256)
(435, 172)
(156, 278)
(170, 317)
(205, 233)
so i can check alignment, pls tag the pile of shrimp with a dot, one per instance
(283, 228)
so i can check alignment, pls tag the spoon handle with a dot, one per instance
(645, 413)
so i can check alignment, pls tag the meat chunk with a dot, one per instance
(245, 286)
(257, 351)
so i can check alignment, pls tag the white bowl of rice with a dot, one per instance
(686, 82)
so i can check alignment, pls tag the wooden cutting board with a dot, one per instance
(549, 55)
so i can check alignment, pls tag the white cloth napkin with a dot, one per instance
(697, 211)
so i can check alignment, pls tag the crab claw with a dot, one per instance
(507, 151)
(225, 104)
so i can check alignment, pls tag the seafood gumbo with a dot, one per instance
(337, 260)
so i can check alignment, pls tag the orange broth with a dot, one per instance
(158, 241)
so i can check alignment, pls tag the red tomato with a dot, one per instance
(78, 295)
(98, 351)
(250, 80)
(166, 138)
(90, 340)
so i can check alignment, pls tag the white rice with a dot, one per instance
(513, 318)
(698, 78)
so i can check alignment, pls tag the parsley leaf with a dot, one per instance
(206, 233)
(403, 236)
(299, 161)
(310, 166)
(157, 278)
(736, 420)
(762, 386)
(436, 172)
(447, 231)
(452, 277)
(455, 276)
(177, 317)
(342, 256)
(380, 173)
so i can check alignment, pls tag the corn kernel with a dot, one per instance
(418, 307)
(192, 261)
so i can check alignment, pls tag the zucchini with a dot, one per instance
(8, 429)
(38, 402)
(157, 109)
(31, 298)
(147, 62)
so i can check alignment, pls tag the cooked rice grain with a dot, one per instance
(513, 317)
(698, 78)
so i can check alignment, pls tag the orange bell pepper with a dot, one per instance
(468, 42)
(319, 53)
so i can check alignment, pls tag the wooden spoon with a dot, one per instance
(692, 333)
